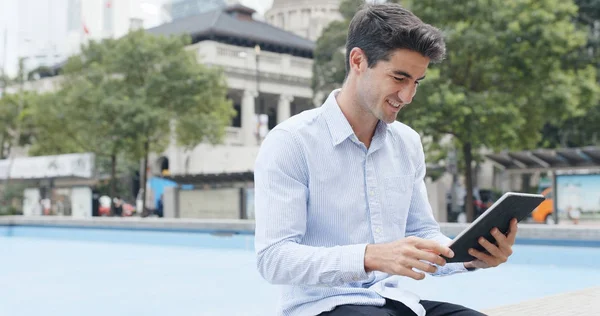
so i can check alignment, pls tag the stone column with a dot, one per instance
(248, 117)
(284, 107)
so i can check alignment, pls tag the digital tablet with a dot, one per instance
(510, 205)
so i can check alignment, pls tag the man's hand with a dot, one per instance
(498, 253)
(400, 257)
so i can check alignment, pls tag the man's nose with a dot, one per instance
(406, 95)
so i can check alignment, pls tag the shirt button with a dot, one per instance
(378, 230)
(371, 193)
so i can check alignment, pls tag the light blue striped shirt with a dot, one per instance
(321, 196)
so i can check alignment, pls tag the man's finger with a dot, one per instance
(414, 274)
(500, 237)
(503, 243)
(512, 231)
(430, 257)
(409, 272)
(435, 247)
(491, 248)
(423, 266)
(489, 260)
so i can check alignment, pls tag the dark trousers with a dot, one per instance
(393, 308)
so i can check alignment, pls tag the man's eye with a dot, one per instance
(399, 79)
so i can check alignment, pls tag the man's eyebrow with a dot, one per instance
(405, 74)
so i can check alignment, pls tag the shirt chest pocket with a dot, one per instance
(398, 195)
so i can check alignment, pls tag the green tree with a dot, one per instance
(509, 70)
(580, 130)
(8, 119)
(125, 97)
(13, 120)
(14, 103)
(329, 68)
(504, 77)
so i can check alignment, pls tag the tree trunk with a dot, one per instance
(526, 182)
(2, 147)
(143, 178)
(113, 175)
(468, 181)
(8, 149)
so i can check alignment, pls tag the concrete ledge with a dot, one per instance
(152, 223)
(537, 233)
(580, 303)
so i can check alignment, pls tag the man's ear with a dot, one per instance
(358, 60)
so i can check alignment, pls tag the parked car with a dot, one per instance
(482, 200)
(544, 212)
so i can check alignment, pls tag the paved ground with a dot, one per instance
(580, 303)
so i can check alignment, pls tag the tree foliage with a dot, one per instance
(511, 67)
(580, 130)
(505, 75)
(125, 98)
(329, 69)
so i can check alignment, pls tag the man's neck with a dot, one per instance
(363, 123)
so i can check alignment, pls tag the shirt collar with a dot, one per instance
(338, 125)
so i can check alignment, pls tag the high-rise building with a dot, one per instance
(306, 18)
(45, 33)
(179, 9)
(97, 19)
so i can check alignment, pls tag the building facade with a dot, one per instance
(268, 73)
(306, 18)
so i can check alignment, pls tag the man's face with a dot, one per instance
(386, 88)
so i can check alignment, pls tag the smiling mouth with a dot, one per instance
(394, 104)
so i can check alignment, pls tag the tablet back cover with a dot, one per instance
(511, 205)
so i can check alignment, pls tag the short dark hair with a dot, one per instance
(379, 29)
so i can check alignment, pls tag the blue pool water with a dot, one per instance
(60, 271)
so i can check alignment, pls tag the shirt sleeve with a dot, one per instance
(281, 198)
(421, 223)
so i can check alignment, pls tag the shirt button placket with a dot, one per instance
(373, 200)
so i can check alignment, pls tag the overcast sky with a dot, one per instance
(34, 29)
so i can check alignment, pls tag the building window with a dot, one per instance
(74, 15)
(237, 119)
(272, 114)
(305, 17)
(293, 18)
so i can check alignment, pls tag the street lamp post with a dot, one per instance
(257, 56)
(257, 102)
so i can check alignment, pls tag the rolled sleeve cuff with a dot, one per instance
(451, 268)
(352, 263)
(457, 267)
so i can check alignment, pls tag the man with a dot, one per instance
(341, 206)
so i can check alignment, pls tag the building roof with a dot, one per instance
(547, 159)
(213, 178)
(234, 25)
